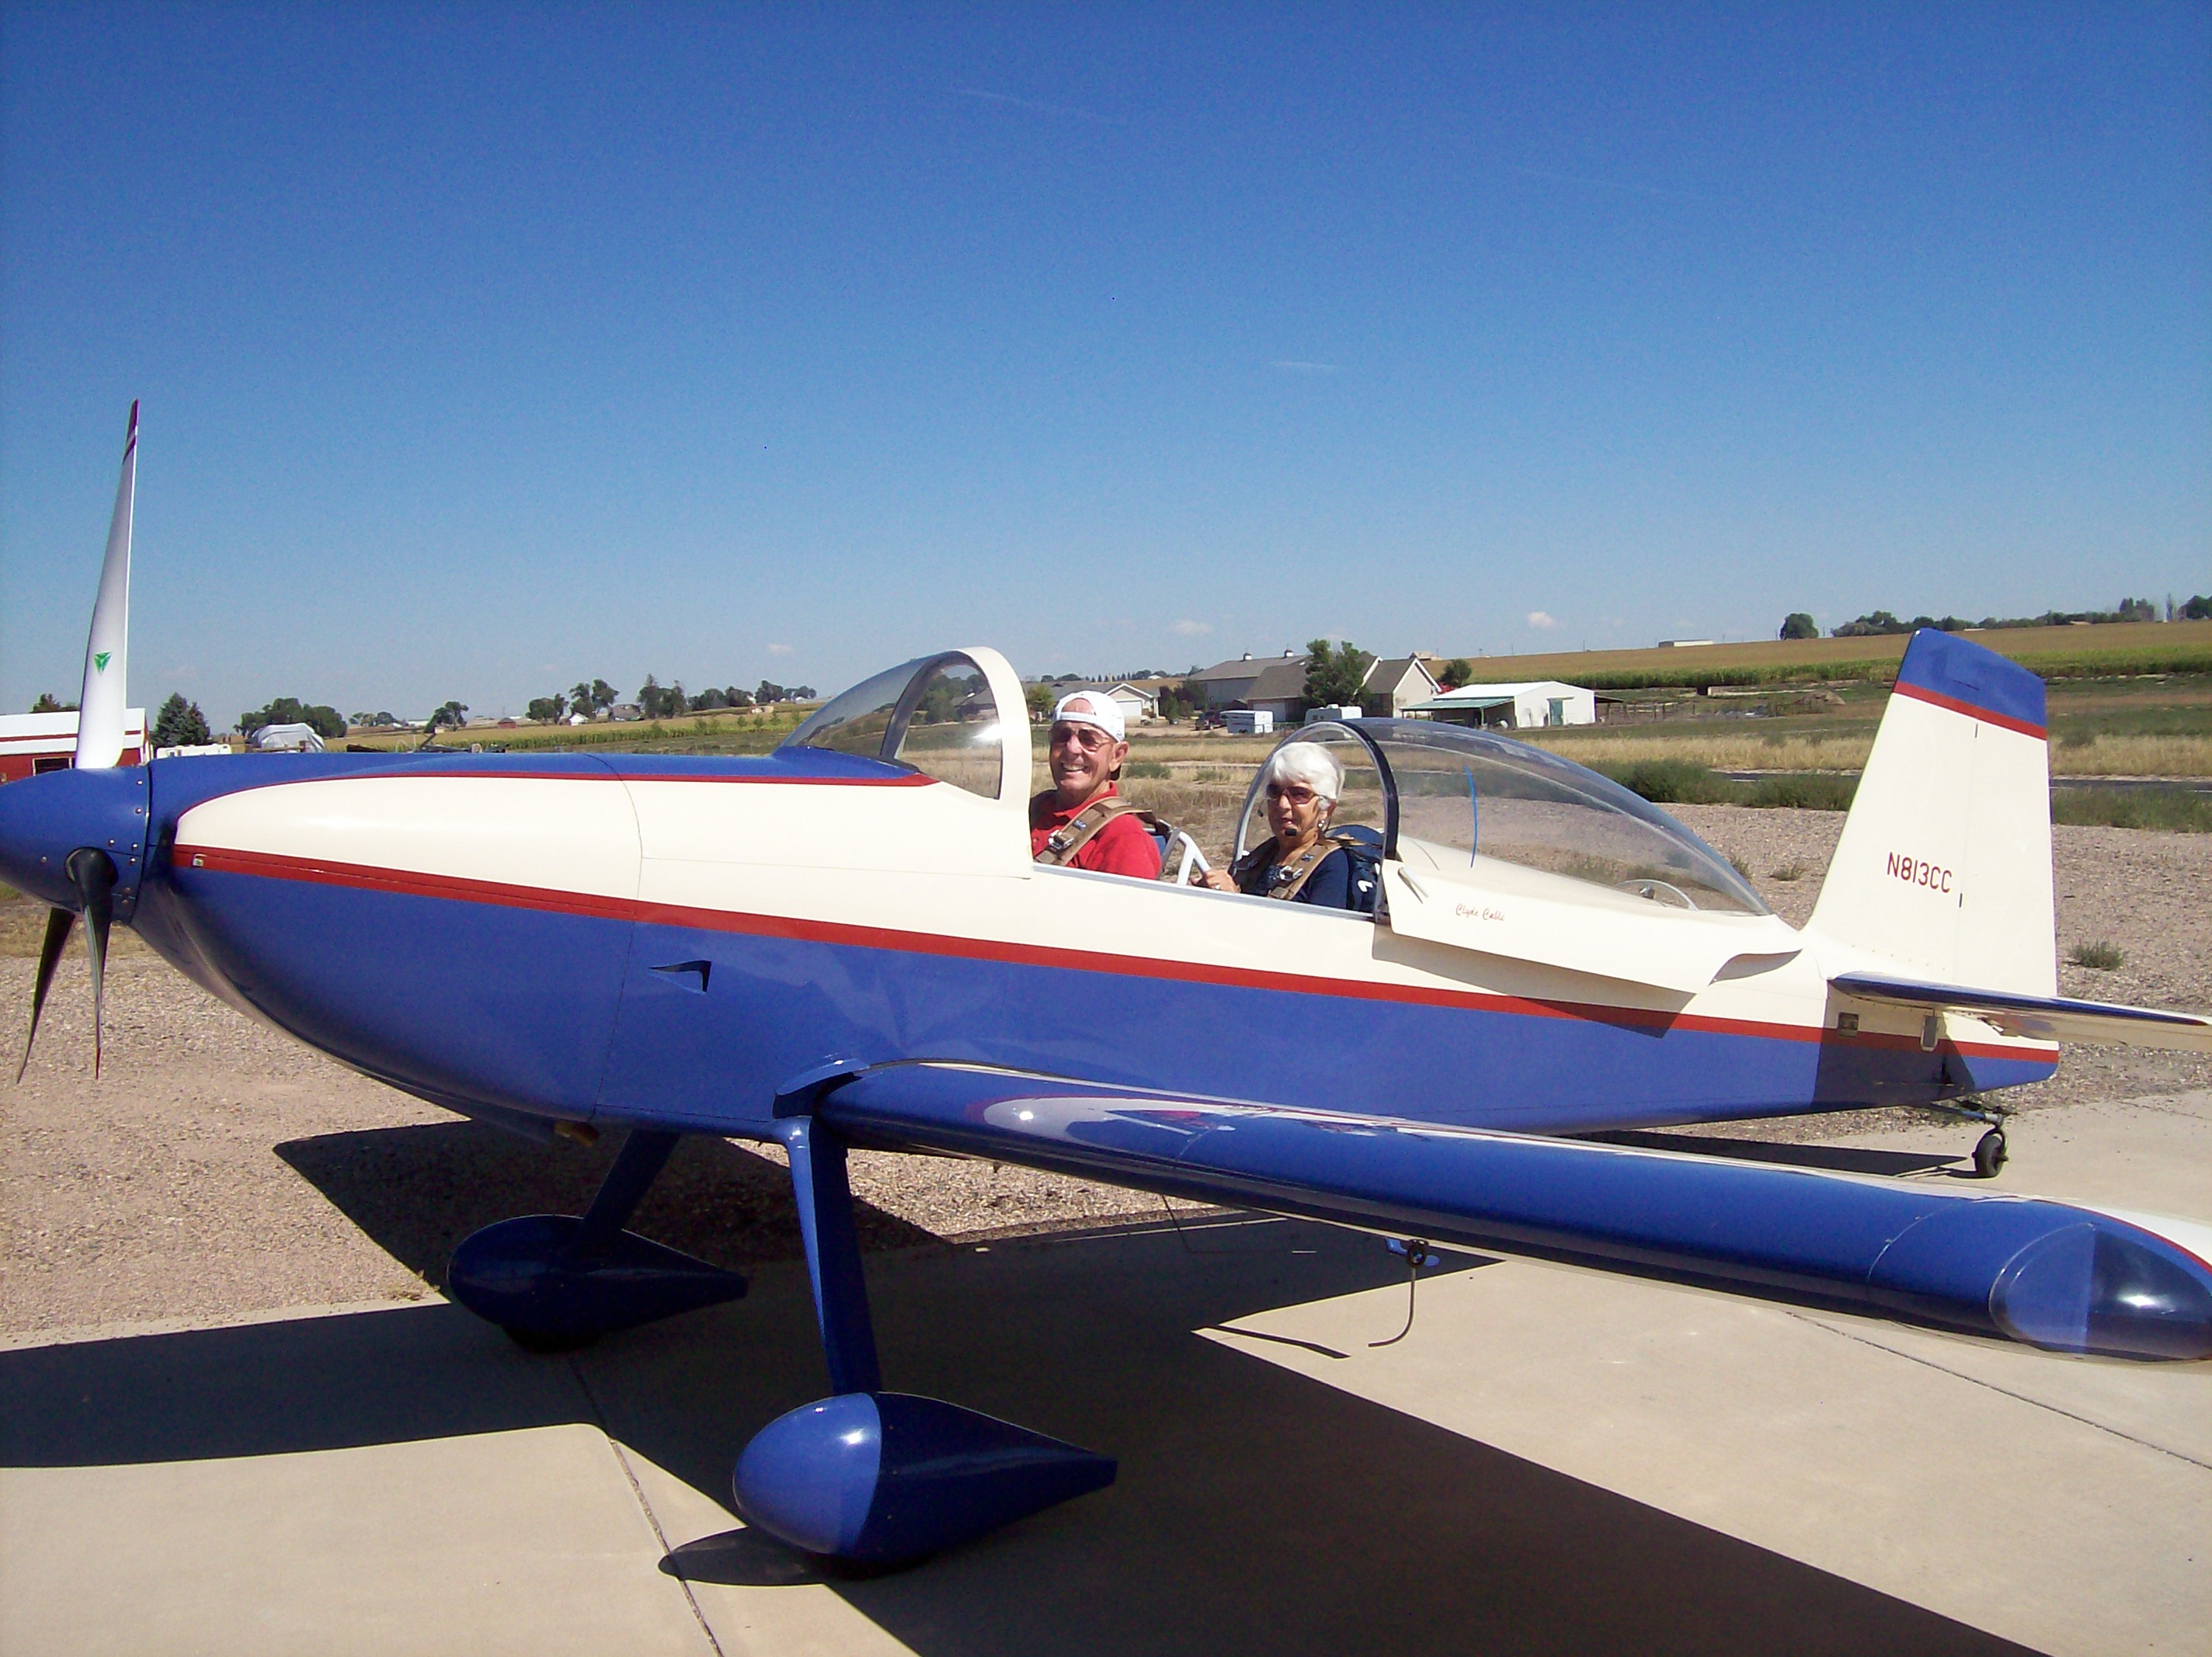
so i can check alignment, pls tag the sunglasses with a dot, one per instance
(1089, 738)
(1297, 792)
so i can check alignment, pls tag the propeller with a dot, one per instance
(58, 922)
(93, 873)
(102, 718)
(103, 709)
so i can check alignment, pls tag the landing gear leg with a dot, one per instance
(876, 1478)
(1991, 1151)
(557, 1281)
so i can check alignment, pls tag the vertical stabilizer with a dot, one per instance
(102, 711)
(1944, 867)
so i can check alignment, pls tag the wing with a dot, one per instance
(2050, 1274)
(2043, 1017)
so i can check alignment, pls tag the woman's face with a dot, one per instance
(1295, 812)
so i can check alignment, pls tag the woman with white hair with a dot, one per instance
(1302, 861)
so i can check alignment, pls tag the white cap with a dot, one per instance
(1091, 707)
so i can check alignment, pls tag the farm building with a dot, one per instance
(1531, 704)
(32, 743)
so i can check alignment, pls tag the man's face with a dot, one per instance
(1084, 760)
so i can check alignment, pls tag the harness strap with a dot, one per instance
(1080, 830)
(1286, 880)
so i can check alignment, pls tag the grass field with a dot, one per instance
(2056, 653)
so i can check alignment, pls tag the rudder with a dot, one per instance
(1944, 866)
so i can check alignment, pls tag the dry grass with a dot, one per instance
(2103, 755)
(1722, 750)
(1206, 811)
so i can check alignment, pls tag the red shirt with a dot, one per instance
(1124, 846)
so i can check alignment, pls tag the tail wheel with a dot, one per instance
(1990, 1153)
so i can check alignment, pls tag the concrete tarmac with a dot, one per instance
(1553, 1460)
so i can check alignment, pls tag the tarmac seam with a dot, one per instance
(2005, 1391)
(645, 1507)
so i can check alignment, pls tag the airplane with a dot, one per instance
(846, 943)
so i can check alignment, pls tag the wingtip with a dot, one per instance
(131, 436)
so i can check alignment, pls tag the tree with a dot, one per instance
(736, 698)
(590, 696)
(660, 701)
(770, 693)
(47, 704)
(708, 699)
(2198, 609)
(323, 720)
(180, 725)
(1875, 624)
(1457, 672)
(1799, 625)
(1336, 676)
(546, 710)
(448, 716)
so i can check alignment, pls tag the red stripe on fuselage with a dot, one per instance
(1937, 699)
(406, 883)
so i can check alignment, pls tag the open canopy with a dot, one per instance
(957, 716)
(1446, 797)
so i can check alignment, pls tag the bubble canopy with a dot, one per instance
(943, 715)
(1450, 799)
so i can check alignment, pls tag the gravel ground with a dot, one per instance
(219, 1168)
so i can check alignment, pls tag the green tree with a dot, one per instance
(1335, 676)
(448, 716)
(1457, 672)
(590, 696)
(1799, 625)
(323, 720)
(47, 703)
(659, 701)
(180, 724)
(546, 710)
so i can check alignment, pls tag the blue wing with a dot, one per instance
(2048, 1273)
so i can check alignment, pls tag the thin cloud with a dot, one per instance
(1036, 108)
(1293, 365)
(1191, 629)
(779, 650)
(1537, 618)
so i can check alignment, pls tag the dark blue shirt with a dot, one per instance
(1340, 881)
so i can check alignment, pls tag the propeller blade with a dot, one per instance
(93, 872)
(102, 714)
(58, 922)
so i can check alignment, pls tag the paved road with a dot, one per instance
(1555, 1461)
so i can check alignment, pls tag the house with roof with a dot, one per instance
(1276, 684)
(1138, 704)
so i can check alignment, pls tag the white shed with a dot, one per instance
(1527, 705)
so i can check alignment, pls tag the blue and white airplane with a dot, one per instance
(847, 942)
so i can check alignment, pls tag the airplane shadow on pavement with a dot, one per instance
(1256, 1511)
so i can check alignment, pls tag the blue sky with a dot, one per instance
(485, 347)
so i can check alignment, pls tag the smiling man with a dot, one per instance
(1081, 822)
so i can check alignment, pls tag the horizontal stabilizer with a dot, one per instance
(2047, 1273)
(2038, 1017)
